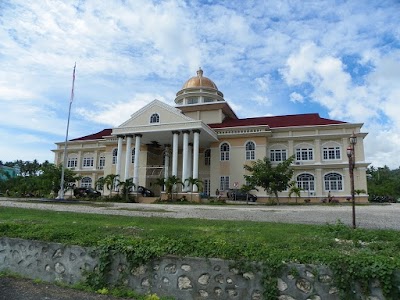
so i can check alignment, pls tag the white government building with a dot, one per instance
(201, 137)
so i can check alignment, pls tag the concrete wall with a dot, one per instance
(182, 278)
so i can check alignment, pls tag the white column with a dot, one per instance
(136, 161)
(196, 142)
(166, 162)
(190, 160)
(119, 153)
(128, 155)
(175, 145)
(185, 157)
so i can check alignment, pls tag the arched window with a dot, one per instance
(155, 118)
(224, 151)
(207, 157)
(250, 151)
(86, 182)
(333, 182)
(114, 156)
(305, 182)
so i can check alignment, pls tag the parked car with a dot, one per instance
(238, 195)
(86, 192)
(382, 199)
(145, 191)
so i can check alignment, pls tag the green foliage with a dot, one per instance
(294, 189)
(171, 185)
(383, 182)
(353, 254)
(273, 179)
(40, 180)
(110, 181)
(126, 187)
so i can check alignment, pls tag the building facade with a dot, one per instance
(201, 137)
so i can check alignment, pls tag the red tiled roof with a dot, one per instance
(272, 122)
(95, 136)
(278, 121)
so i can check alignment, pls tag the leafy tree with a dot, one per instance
(246, 188)
(273, 179)
(50, 176)
(39, 181)
(383, 182)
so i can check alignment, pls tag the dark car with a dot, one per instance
(83, 192)
(145, 191)
(238, 195)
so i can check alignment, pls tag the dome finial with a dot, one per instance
(200, 72)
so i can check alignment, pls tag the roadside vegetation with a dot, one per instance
(358, 254)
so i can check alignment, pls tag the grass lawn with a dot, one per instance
(369, 252)
(224, 239)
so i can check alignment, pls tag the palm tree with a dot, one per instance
(100, 183)
(126, 186)
(294, 189)
(194, 181)
(170, 185)
(161, 182)
(110, 181)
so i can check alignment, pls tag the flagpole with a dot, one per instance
(61, 194)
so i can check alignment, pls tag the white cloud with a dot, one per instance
(149, 48)
(115, 113)
(296, 98)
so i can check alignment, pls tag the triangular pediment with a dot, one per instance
(167, 115)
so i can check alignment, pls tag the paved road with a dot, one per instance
(26, 289)
(367, 216)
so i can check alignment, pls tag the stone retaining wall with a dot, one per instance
(182, 278)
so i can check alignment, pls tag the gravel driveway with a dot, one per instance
(367, 216)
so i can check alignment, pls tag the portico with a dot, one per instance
(186, 136)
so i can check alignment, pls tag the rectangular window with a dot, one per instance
(87, 162)
(277, 155)
(102, 162)
(331, 153)
(192, 100)
(72, 162)
(250, 154)
(224, 183)
(224, 155)
(206, 186)
(304, 154)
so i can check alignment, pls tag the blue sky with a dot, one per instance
(340, 59)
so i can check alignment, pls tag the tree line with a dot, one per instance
(35, 179)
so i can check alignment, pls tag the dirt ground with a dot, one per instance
(25, 289)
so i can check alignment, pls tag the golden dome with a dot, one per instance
(199, 81)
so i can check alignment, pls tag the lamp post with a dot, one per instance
(352, 159)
